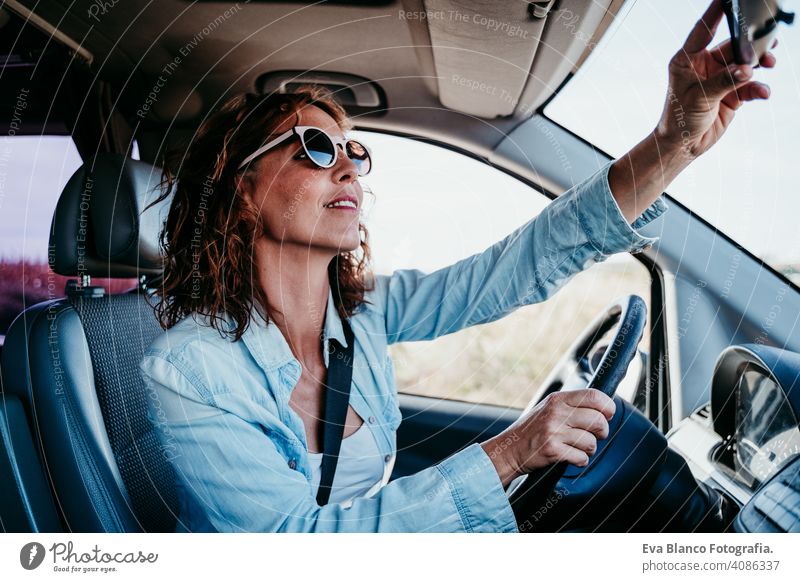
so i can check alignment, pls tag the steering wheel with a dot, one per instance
(575, 371)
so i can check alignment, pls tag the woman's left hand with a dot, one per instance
(706, 87)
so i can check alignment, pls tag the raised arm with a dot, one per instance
(705, 89)
(581, 226)
(589, 222)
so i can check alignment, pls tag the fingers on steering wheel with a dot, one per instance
(575, 456)
(588, 419)
(593, 399)
(581, 440)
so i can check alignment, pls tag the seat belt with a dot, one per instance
(337, 398)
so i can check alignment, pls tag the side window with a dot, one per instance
(33, 172)
(432, 207)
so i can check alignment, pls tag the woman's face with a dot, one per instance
(291, 192)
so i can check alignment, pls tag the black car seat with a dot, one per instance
(71, 364)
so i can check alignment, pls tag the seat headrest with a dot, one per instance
(99, 227)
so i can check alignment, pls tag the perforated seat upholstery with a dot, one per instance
(73, 362)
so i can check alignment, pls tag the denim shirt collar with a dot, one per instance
(271, 350)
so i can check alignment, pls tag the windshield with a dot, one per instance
(746, 185)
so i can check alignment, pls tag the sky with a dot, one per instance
(746, 184)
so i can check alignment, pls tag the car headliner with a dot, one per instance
(429, 57)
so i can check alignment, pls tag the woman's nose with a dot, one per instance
(346, 168)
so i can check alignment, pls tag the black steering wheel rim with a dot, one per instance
(629, 315)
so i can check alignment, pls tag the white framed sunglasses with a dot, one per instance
(320, 148)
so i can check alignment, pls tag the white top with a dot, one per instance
(359, 471)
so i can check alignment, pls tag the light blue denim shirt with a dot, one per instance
(221, 408)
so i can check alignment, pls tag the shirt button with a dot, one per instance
(292, 464)
(371, 420)
(387, 458)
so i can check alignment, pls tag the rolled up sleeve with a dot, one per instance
(603, 221)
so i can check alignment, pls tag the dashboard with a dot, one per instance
(755, 410)
(746, 442)
(767, 436)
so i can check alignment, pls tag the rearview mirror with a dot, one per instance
(753, 24)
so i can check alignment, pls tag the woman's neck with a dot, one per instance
(295, 281)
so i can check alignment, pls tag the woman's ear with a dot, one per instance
(244, 185)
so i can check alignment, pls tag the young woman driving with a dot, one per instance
(265, 259)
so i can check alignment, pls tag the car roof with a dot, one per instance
(463, 73)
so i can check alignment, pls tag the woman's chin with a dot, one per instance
(347, 248)
(337, 247)
(349, 242)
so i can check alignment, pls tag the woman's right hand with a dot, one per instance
(564, 426)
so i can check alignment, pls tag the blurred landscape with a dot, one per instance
(506, 361)
(25, 283)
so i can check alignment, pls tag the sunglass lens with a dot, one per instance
(359, 154)
(320, 147)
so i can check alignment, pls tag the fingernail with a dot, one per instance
(740, 74)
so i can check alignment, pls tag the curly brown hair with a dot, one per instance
(209, 236)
